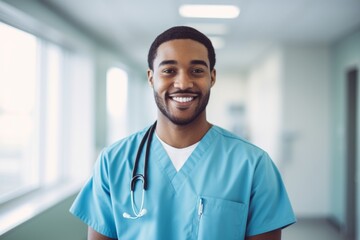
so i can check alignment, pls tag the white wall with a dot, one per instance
(306, 128)
(264, 102)
(229, 90)
(289, 109)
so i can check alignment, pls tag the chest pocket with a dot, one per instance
(221, 219)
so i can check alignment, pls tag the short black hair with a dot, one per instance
(181, 32)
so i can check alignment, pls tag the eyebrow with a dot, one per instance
(199, 62)
(192, 62)
(167, 62)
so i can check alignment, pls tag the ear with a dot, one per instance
(150, 75)
(213, 77)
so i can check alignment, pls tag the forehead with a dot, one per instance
(181, 50)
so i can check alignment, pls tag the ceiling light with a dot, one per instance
(209, 11)
(210, 28)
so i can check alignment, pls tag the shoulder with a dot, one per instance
(239, 149)
(232, 140)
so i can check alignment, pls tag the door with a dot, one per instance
(351, 152)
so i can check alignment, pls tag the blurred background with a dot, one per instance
(73, 80)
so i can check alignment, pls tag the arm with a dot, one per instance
(93, 235)
(273, 235)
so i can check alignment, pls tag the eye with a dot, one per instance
(197, 70)
(168, 71)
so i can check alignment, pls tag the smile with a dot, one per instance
(183, 99)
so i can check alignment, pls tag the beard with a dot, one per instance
(164, 109)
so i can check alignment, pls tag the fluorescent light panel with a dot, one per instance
(209, 11)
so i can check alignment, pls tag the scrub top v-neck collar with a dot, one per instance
(178, 178)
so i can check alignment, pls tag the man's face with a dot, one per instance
(181, 80)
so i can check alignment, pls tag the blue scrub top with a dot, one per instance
(237, 184)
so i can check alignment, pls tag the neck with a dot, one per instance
(181, 136)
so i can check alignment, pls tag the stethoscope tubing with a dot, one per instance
(140, 177)
(147, 138)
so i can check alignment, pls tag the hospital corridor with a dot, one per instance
(74, 80)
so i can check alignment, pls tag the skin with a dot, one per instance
(93, 235)
(181, 70)
(181, 81)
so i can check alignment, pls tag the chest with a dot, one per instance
(209, 194)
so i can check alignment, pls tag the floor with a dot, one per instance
(312, 229)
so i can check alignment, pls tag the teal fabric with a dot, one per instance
(239, 186)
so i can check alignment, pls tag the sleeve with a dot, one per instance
(269, 207)
(93, 203)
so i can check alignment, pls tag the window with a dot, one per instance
(47, 135)
(39, 110)
(19, 112)
(116, 101)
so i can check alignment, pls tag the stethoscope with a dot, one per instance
(140, 177)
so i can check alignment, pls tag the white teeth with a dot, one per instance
(183, 99)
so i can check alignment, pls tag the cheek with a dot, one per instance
(159, 90)
(206, 86)
(156, 86)
(161, 85)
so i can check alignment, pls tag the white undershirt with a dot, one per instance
(178, 156)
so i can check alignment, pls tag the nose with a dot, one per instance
(183, 81)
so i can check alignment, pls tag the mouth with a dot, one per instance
(183, 98)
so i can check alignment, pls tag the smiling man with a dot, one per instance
(192, 180)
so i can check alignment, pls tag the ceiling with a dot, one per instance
(131, 25)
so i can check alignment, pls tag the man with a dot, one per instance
(201, 182)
